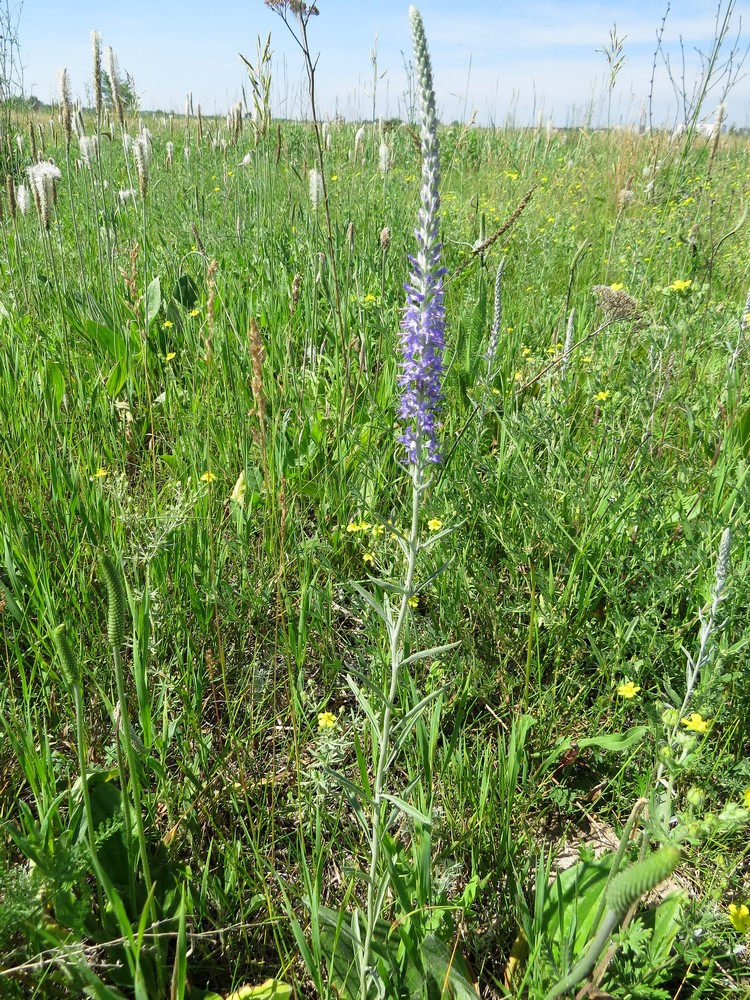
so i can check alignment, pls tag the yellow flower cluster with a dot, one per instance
(362, 527)
(354, 526)
(739, 917)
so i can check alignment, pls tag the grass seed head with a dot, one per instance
(10, 189)
(66, 656)
(96, 49)
(116, 601)
(110, 62)
(66, 110)
(140, 155)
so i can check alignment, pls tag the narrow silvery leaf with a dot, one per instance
(359, 793)
(409, 810)
(433, 651)
(364, 704)
(374, 603)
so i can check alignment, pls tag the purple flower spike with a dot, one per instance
(422, 327)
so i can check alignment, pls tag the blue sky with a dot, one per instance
(503, 59)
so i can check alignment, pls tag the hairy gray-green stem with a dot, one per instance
(695, 665)
(396, 656)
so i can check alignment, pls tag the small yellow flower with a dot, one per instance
(368, 559)
(195, 312)
(334, 177)
(617, 287)
(377, 531)
(169, 355)
(369, 298)
(100, 473)
(680, 284)
(167, 324)
(628, 689)
(746, 798)
(739, 917)
(526, 352)
(434, 524)
(695, 723)
(602, 395)
(217, 189)
(326, 720)
(586, 359)
(208, 477)
(354, 526)
(413, 601)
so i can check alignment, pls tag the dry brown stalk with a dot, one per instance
(486, 244)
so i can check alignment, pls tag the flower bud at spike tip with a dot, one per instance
(115, 602)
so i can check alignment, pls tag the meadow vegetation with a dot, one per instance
(204, 513)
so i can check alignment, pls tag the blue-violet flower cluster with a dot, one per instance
(422, 327)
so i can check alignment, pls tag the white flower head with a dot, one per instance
(22, 198)
(358, 138)
(316, 187)
(384, 158)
